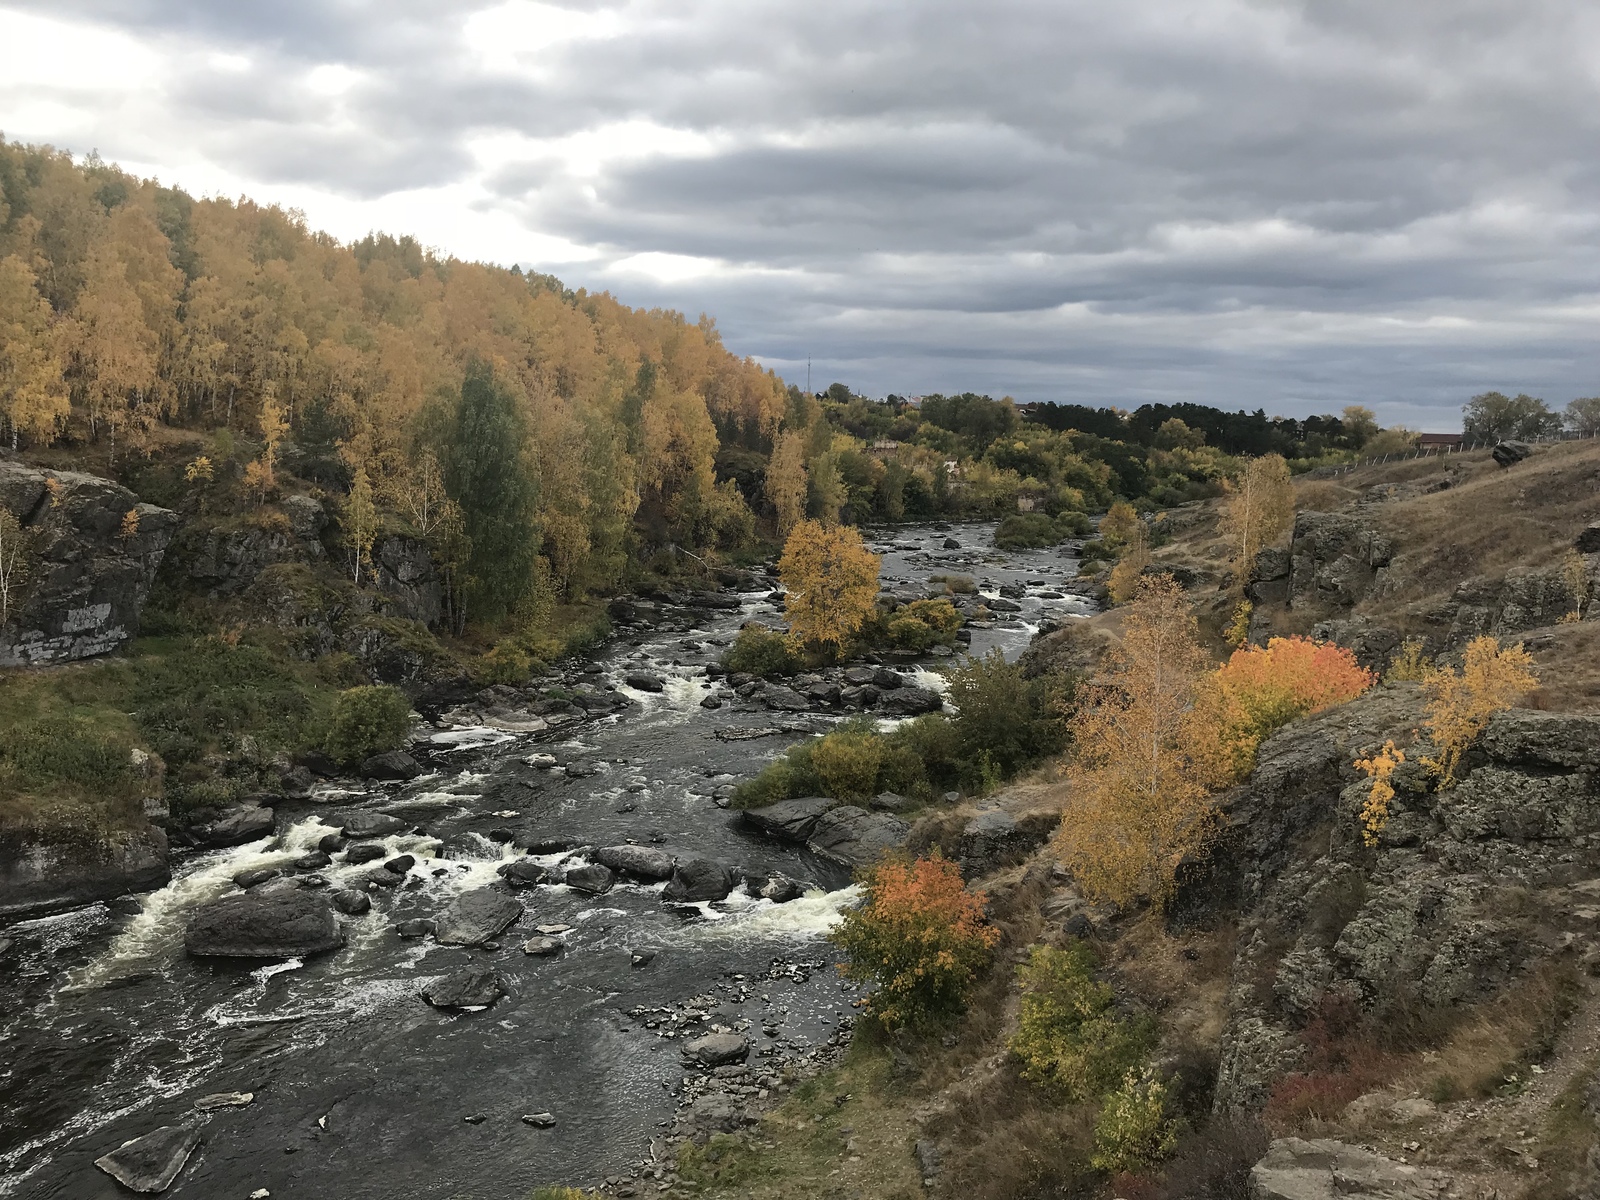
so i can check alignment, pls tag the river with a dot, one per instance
(361, 1090)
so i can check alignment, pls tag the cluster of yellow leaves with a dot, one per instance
(129, 528)
(831, 582)
(1123, 583)
(920, 936)
(1409, 664)
(1238, 631)
(1575, 574)
(1139, 799)
(1375, 809)
(1492, 678)
(1257, 510)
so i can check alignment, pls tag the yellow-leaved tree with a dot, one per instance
(1139, 796)
(33, 398)
(786, 480)
(1491, 678)
(831, 581)
(1258, 509)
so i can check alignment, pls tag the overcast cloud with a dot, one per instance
(1278, 205)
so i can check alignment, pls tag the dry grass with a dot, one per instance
(1567, 661)
(1494, 1050)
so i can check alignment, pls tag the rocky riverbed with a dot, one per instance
(481, 968)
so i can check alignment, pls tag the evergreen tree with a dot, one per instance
(492, 481)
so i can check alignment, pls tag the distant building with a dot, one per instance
(884, 448)
(1440, 441)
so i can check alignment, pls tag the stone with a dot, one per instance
(1588, 539)
(391, 764)
(713, 1112)
(789, 820)
(643, 681)
(856, 837)
(641, 862)
(382, 879)
(594, 879)
(718, 1049)
(910, 702)
(698, 879)
(414, 928)
(580, 768)
(886, 680)
(734, 733)
(1334, 559)
(330, 844)
(314, 861)
(784, 699)
(404, 571)
(641, 958)
(225, 1100)
(364, 853)
(993, 839)
(236, 826)
(1323, 1169)
(350, 903)
(372, 825)
(470, 987)
(892, 802)
(859, 697)
(400, 864)
(523, 873)
(1510, 452)
(256, 877)
(1544, 740)
(542, 947)
(951, 544)
(542, 1120)
(780, 889)
(150, 1163)
(89, 584)
(552, 929)
(475, 917)
(1001, 604)
(927, 1161)
(269, 924)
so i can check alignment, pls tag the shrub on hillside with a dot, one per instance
(1261, 689)
(367, 721)
(1015, 720)
(762, 652)
(507, 662)
(920, 937)
(1491, 678)
(1070, 1038)
(1133, 1130)
(848, 763)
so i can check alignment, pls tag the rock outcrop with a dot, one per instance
(1321, 1169)
(406, 575)
(1334, 559)
(150, 1163)
(39, 875)
(284, 923)
(95, 549)
(475, 917)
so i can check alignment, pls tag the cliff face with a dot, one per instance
(90, 572)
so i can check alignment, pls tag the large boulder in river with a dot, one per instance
(642, 862)
(372, 825)
(596, 879)
(470, 987)
(89, 581)
(39, 874)
(910, 702)
(784, 699)
(264, 924)
(475, 917)
(696, 878)
(150, 1163)
(856, 837)
(718, 1049)
(238, 825)
(789, 820)
(391, 764)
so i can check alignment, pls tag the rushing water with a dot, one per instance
(107, 1030)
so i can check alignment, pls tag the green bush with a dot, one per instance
(923, 624)
(848, 764)
(1014, 720)
(367, 721)
(762, 652)
(507, 662)
(1069, 1037)
(1032, 531)
(1133, 1131)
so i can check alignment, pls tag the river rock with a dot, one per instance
(475, 917)
(643, 681)
(595, 879)
(790, 820)
(580, 768)
(414, 928)
(780, 889)
(642, 862)
(910, 702)
(381, 879)
(270, 924)
(951, 544)
(523, 873)
(856, 837)
(400, 864)
(330, 843)
(886, 680)
(470, 987)
(236, 826)
(314, 861)
(718, 1049)
(714, 1112)
(225, 1100)
(391, 764)
(369, 852)
(150, 1163)
(542, 947)
(784, 699)
(542, 1120)
(350, 903)
(372, 825)
(1323, 1169)
(1001, 604)
(697, 878)
(860, 676)
(256, 877)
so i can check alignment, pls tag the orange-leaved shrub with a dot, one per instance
(920, 936)
(1260, 689)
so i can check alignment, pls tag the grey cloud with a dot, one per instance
(1297, 205)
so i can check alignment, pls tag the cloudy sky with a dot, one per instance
(1250, 203)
